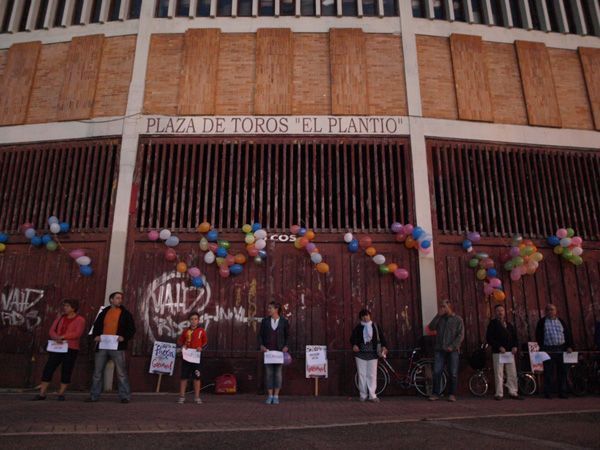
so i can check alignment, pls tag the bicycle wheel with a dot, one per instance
(478, 384)
(422, 378)
(382, 380)
(577, 379)
(527, 384)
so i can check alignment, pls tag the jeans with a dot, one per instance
(440, 359)
(555, 366)
(118, 357)
(367, 377)
(273, 376)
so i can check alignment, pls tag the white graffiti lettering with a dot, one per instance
(16, 307)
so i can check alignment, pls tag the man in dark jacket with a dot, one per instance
(554, 337)
(501, 335)
(113, 320)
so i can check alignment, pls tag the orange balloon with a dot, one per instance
(204, 227)
(371, 251)
(240, 259)
(310, 235)
(303, 242)
(181, 267)
(392, 267)
(365, 242)
(322, 267)
(409, 242)
(499, 295)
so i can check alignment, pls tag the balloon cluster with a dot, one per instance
(523, 258)
(413, 237)
(304, 241)
(567, 245)
(256, 241)
(366, 243)
(485, 269)
(83, 261)
(172, 241)
(51, 244)
(3, 241)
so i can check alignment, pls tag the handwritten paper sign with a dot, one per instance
(163, 358)
(273, 357)
(191, 355)
(316, 361)
(109, 342)
(55, 347)
(506, 358)
(570, 358)
(536, 364)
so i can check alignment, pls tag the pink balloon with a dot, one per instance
(193, 272)
(310, 247)
(515, 274)
(577, 241)
(224, 271)
(213, 247)
(230, 260)
(77, 253)
(401, 274)
(495, 282)
(488, 289)
(408, 228)
(153, 235)
(294, 229)
(253, 251)
(561, 233)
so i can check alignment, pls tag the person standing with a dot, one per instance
(450, 333)
(554, 337)
(501, 335)
(365, 339)
(113, 320)
(273, 336)
(69, 328)
(193, 337)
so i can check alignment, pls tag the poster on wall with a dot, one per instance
(536, 358)
(163, 358)
(316, 361)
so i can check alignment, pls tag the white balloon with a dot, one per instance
(165, 234)
(260, 244)
(173, 241)
(577, 251)
(260, 234)
(83, 260)
(379, 259)
(316, 258)
(348, 238)
(55, 228)
(52, 219)
(209, 258)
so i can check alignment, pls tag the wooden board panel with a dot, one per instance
(115, 76)
(349, 94)
(48, 83)
(436, 79)
(538, 84)
(312, 84)
(590, 61)
(385, 75)
(162, 75)
(198, 82)
(3, 58)
(471, 78)
(274, 63)
(81, 77)
(16, 82)
(506, 91)
(236, 74)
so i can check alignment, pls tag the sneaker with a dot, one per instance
(90, 400)
(38, 398)
(198, 401)
(451, 398)
(275, 400)
(516, 397)
(362, 399)
(433, 398)
(269, 401)
(181, 400)
(498, 397)
(374, 400)
(61, 398)
(124, 400)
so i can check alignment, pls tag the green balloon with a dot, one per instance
(51, 245)
(383, 269)
(567, 254)
(508, 265)
(474, 262)
(570, 232)
(224, 244)
(577, 260)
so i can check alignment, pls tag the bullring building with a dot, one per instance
(341, 116)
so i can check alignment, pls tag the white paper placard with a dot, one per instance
(570, 358)
(163, 357)
(191, 355)
(55, 347)
(109, 342)
(273, 357)
(506, 358)
(316, 361)
(533, 347)
(540, 357)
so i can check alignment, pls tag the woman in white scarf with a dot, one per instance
(367, 338)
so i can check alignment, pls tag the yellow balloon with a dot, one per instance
(247, 228)
(2, 247)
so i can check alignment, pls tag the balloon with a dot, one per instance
(86, 271)
(409, 242)
(2, 247)
(51, 245)
(353, 246)
(488, 289)
(565, 242)
(517, 239)
(36, 241)
(396, 227)
(194, 272)
(252, 250)
(172, 241)
(567, 254)
(165, 234)
(310, 235)
(297, 244)
(249, 239)
(466, 244)
(224, 271)
(52, 219)
(212, 247)
(153, 235)
(224, 244)
(76, 253)
(287, 359)
(577, 251)
(491, 272)
(517, 261)
(322, 267)
(236, 269)
(256, 226)
(537, 257)
(181, 267)
(209, 257)
(482, 255)
(408, 228)
(400, 237)
(170, 254)
(204, 227)
(379, 259)
(576, 240)
(553, 240)
(262, 254)
(247, 228)
(55, 228)
(514, 251)
(294, 229)
(481, 274)
(473, 236)
(197, 282)
(316, 258)
(348, 238)
(508, 265)
(473, 262)
(258, 260)
(371, 251)
(221, 252)
(383, 269)
(561, 233)
(64, 227)
(260, 234)
(310, 247)
(515, 274)
(425, 244)
(301, 231)
(230, 260)
(220, 261)
(26, 226)
(577, 260)
(570, 232)
(203, 244)
(46, 238)
(417, 232)
(392, 267)
(240, 258)
(558, 250)
(260, 244)
(303, 242)
(401, 274)
(83, 260)
(3, 238)
(495, 282)
(487, 263)
(365, 242)
(212, 235)
(29, 233)
(499, 295)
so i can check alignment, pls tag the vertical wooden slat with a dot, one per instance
(380, 162)
(447, 181)
(61, 179)
(268, 157)
(10, 194)
(231, 193)
(86, 182)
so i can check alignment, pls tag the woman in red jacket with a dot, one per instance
(193, 337)
(68, 329)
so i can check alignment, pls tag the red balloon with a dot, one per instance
(230, 260)
(170, 255)
(213, 247)
(365, 242)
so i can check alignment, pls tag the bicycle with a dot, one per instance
(584, 377)
(418, 375)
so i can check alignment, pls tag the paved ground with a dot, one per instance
(155, 421)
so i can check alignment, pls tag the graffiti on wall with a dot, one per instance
(168, 300)
(19, 307)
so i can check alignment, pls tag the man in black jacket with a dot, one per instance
(113, 320)
(502, 337)
(554, 337)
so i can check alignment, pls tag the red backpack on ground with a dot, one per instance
(226, 384)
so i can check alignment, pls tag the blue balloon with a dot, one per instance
(262, 254)
(256, 226)
(3, 238)
(86, 271)
(417, 232)
(221, 252)
(197, 282)
(29, 233)
(301, 231)
(64, 227)
(553, 241)
(492, 272)
(236, 269)
(353, 246)
(467, 244)
(36, 241)
(46, 238)
(212, 235)
(426, 244)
